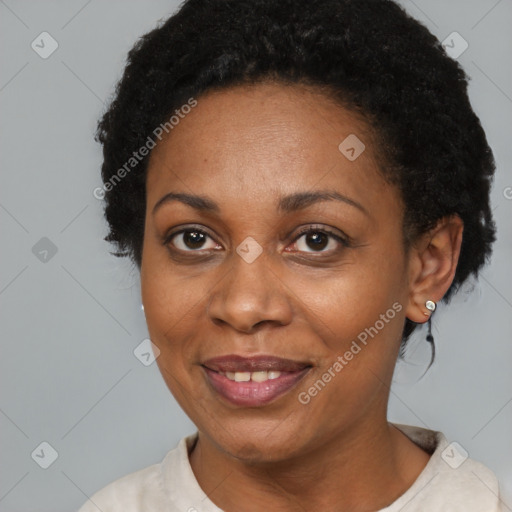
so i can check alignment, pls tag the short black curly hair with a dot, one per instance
(370, 54)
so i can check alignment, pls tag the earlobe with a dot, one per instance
(433, 262)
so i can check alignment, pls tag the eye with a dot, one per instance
(321, 240)
(191, 240)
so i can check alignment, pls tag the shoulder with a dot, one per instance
(126, 493)
(469, 487)
(142, 490)
(451, 481)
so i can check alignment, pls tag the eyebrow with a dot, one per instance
(302, 200)
(287, 204)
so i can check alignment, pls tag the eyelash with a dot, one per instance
(344, 241)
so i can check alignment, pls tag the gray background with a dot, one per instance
(71, 320)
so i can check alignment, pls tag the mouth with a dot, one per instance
(253, 381)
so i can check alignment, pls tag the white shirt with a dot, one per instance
(450, 482)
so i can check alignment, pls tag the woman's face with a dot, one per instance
(234, 291)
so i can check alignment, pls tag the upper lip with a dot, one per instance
(262, 363)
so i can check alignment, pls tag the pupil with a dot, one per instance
(194, 239)
(319, 240)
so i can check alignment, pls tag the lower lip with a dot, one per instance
(253, 394)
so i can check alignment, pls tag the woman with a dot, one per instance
(300, 184)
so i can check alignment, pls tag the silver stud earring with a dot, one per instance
(430, 305)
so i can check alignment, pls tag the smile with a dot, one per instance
(253, 382)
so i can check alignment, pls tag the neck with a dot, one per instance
(366, 468)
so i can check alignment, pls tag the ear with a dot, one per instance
(432, 263)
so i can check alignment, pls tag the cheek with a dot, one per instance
(170, 307)
(169, 304)
(364, 310)
(167, 296)
(364, 325)
(367, 295)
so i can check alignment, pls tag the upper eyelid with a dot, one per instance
(326, 229)
(187, 227)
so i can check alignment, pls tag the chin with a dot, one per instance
(256, 446)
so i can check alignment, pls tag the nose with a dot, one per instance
(250, 295)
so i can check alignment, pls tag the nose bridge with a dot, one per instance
(251, 293)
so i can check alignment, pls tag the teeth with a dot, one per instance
(259, 376)
(254, 376)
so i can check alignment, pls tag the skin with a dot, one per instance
(245, 148)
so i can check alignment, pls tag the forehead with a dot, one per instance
(265, 139)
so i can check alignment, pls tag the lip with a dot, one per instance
(250, 393)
